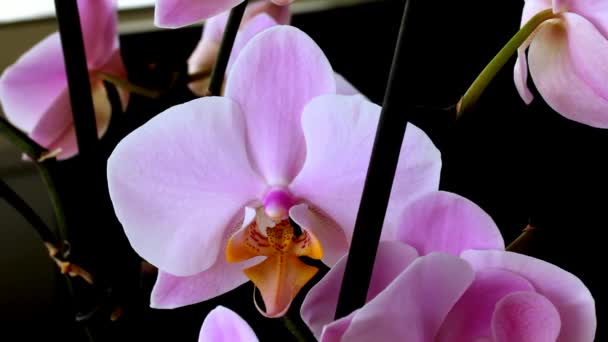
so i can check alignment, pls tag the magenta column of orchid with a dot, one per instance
(380, 174)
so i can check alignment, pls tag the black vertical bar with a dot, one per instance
(77, 74)
(232, 28)
(379, 180)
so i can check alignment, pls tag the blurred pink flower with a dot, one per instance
(258, 16)
(448, 278)
(224, 325)
(567, 57)
(34, 91)
(206, 188)
(177, 13)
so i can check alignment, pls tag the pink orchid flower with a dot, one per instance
(34, 90)
(177, 13)
(567, 58)
(224, 325)
(258, 16)
(448, 278)
(207, 191)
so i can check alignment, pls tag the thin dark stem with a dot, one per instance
(219, 70)
(56, 202)
(78, 75)
(382, 167)
(20, 140)
(521, 243)
(12, 198)
(293, 329)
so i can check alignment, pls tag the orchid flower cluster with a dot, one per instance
(253, 183)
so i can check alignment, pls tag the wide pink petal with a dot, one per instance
(287, 70)
(177, 13)
(415, 304)
(29, 87)
(471, 317)
(525, 317)
(254, 26)
(224, 325)
(557, 58)
(169, 185)
(339, 133)
(334, 331)
(596, 11)
(332, 238)
(98, 19)
(446, 222)
(320, 303)
(567, 293)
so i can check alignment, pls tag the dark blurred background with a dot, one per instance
(522, 164)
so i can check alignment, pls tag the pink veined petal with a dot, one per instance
(29, 87)
(446, 222)
(334, 331)
(177, 13)
(98, 19)
(567, 293)
(168, 184)
(224, 325)
(470, 319)
(415, 304)
(520, 75)
(339, 132)
(255, 25)
(320, 303)
(560, 76)
(287, 70)
(596, 11)
(332, 238)
(525, 317)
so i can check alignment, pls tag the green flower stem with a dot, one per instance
(293, 328)
(126, 85)
(469, 99)
(19, 204)
(35, 152)
(20, 140)
(520, 244)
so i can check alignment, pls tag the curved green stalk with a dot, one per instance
(470, 97)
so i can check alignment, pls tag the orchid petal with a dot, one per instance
(339, 132)
(446, 222)
(275, 61)
(567, 62)
(331, 237)
(415, 304)
(29, 87)
(171, 291)
(168, 184)
(223, 325)
(596, 11)
(320, 303)
(177, 13)
(568, 293)
(471, 317)
(334, 331)
(525, 317)
(531, 8)
(99, 30)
